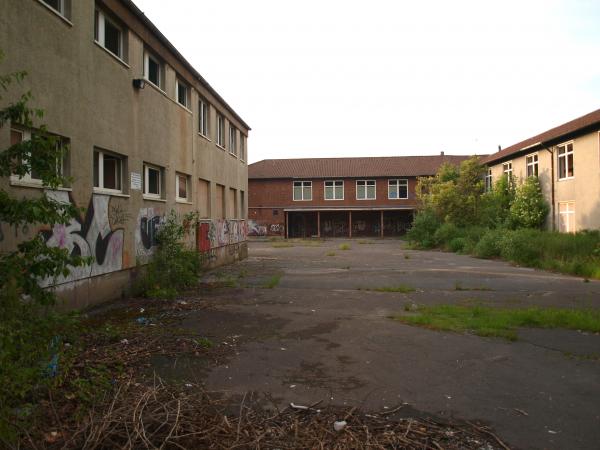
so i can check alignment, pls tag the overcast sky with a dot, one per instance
(382, 77)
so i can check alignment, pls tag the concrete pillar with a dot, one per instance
(381, 225)
(318, 224)
(350, 224)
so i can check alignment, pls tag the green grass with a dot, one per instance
(498, 322)
(282, 244)
(344, 247)
(363, 241)
(459, 287)
(330, 254)
(272, 282)
(307, 242)
(403, 288)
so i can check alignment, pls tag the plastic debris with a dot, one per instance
(339, 425)
(142, 320)
(52, 368)
(124, 341)
(292, 386)
(189, 385)
(142, 310)
(301, 407)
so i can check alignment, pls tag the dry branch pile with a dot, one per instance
(140, 416)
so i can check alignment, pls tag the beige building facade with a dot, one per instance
(145, 131)
(567, 161)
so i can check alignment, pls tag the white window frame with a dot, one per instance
(203, 114)
(101, 38)
(366, 185)
(147, 57)
(160, 170)
(220, 138)
(303, 185)
(242, 147)
(178, 176)
(565, 156)
(532, 162)
(178, 83)
(507, 169)
(333, 187)
(233, 140)
(398, 182)
(101, 187)
(61, 7)
(570, 216)
(489, 181)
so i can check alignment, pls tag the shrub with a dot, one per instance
(529, 208)
(521, 246)
(446, 233)
(422, 232)
(489, 246)
(173, 267)
(458, 245)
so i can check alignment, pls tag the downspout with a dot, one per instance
(551, 184)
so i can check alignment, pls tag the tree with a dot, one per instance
(529, 208)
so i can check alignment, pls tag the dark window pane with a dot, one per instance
(181, 94)
(153, 71)
(54, 4)
(96, 169)
(570, 164)
(182, 186)
(112, 38)
(111, 172)
(153, 181)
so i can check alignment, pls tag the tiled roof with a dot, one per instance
(580, 124)
(385, 166)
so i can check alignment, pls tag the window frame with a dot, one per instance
(121, 158)
(570, 204)
(62, 11)
(333, 190)
(178, 176)
(532, 163)
(100, 18)
(161, 173)
(233, 140)
(187, 88)
(398, 184)
(220, 138)
(242, 147)
(203, 117)
(489, 181)
(303, 184)
(565, 156)
(509, 171)
(148, 55)
(366, 185)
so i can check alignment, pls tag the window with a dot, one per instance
(62, 7)
(108, 34)
(565, 161)
(153, 176)
(302, 190)
(220, 130)
(232, 140)
(365, 190)
(489, 181)
(532, 165)
(242, 147)
(203, 118)
(507, 170)
(17, 136)
(183, 93)
(182, 187)
(153, 70)
(108, 171)
(398, 189)
(334, 190)
(566, 217)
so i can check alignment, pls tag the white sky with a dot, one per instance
(382, 77)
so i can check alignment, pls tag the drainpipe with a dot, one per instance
(552, 206)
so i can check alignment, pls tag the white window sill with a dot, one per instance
(153, 199)
(363, 199)
(309, 200)
(397, 198)
(155, 87)
(36, 185)
(183, 201)
(56, 13)
(109, 192)
(115, 57)
(185, 108)
(334, 199)
(203, 136)
(221, 147)
(233, 155)
(566, 178)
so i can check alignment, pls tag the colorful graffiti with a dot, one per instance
(91, 236)
(148, 222)
(219, 233)
(254, 229)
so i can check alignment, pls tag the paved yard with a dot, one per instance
(316, 336)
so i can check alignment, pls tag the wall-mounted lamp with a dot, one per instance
(139, 83)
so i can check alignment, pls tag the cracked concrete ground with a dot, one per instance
(319, 335)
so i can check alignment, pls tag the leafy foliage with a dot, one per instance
(529, 208)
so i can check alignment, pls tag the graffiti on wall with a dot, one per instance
(255, 229)
(148, 223)
(219, 233)
(90, 236)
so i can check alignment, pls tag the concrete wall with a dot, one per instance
(88, 97)
(583, 189)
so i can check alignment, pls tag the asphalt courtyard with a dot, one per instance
(305, 329)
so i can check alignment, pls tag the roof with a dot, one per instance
(161, 37)
(579, 125)
(385, 166)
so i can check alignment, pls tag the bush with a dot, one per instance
(446, 233)
(489, 246)
(422, 232)
(521, 246)
(529, 208)
(459, 245)
(173, 267)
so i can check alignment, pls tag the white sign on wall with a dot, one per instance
(136, 181)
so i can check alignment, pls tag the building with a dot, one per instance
(567, 161)
(337, 197)
(146, 134)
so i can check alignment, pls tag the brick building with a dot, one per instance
(336, 197)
